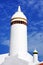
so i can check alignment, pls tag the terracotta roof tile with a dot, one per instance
(41, 64)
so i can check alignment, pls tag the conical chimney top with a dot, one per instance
(35, 51)
(19, 15)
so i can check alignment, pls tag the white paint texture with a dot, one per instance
(18, 41)
(14, 60)
(35, 56)
(2, 58)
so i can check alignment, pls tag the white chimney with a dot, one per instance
(18, 39)
(35, 56)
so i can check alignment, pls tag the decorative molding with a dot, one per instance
(18, 22)
(18, 18)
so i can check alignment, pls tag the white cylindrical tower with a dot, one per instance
(35, 56)
(18, 39)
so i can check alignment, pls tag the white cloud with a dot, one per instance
(6, 42)
(39, 7)
(36, 41)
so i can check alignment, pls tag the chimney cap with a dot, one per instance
(19, 14)
(35, 51)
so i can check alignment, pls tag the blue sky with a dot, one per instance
(33, 9)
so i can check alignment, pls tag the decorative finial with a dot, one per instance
(19, 9)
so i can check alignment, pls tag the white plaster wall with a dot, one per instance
(35, 58)
(2, 58)
(18, 39)
(14, 60)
